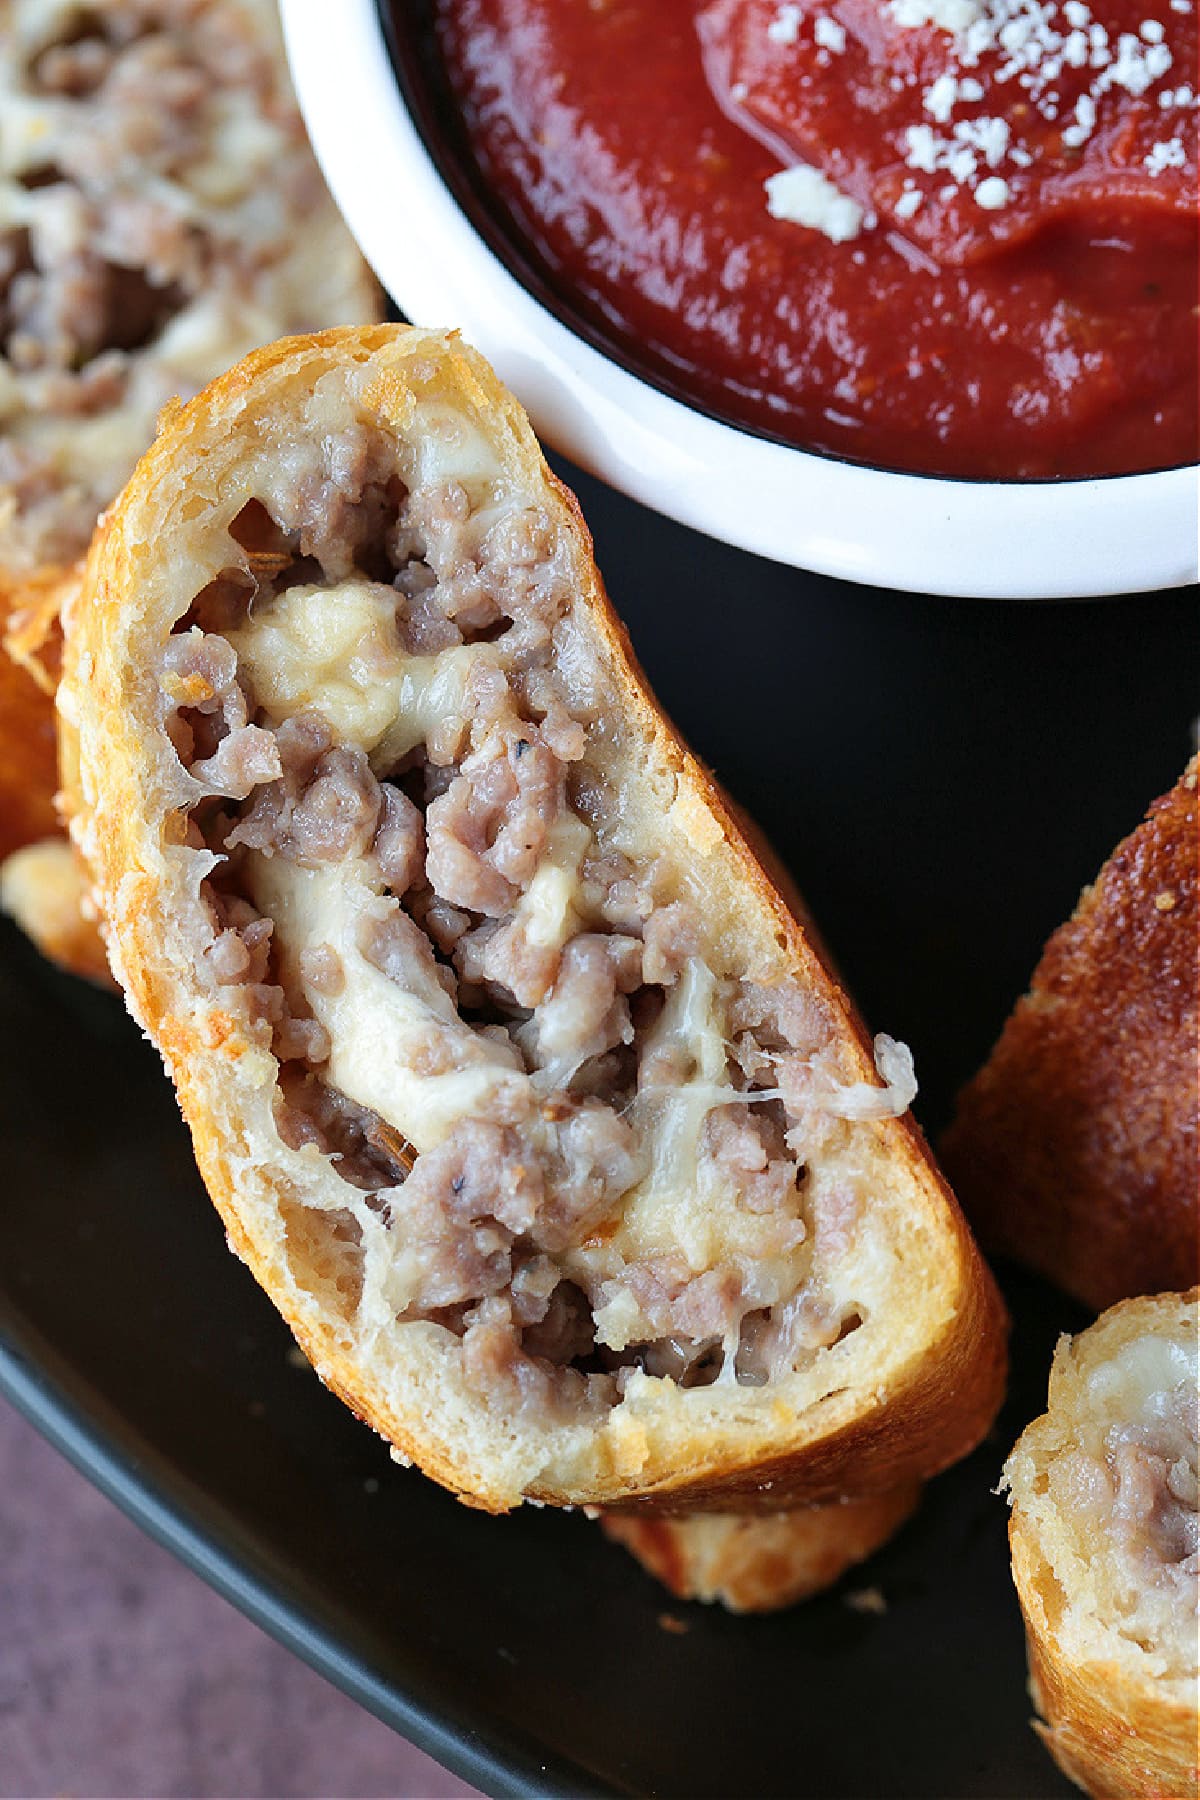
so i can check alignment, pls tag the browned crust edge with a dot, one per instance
(28, 675)
(1074, 1148)
(752, 1563)
(1111, 1735)
(1118, 1732)
(37, 885)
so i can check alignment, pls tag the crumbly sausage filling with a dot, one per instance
(587, 1139)
(153, 171)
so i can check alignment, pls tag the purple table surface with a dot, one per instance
(121, 1674)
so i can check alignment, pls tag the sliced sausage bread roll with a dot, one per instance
(1074, 1148)
(42, 884)
(28, 749)
(1104, 1551)
(160, 214)
(516, 1083)
(760, 1562)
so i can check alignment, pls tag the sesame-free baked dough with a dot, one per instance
(513, 1078)
(28, 747)
(42, 882)
(1074, 1148)
(759, 1562)
(43, 886)
(762, 1561)
(1104, 1551)
(160, 214)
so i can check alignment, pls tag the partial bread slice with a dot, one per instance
(42, 883)
(643, 1225)
(761, 1562)
(1104, 1551)
(1074, 1148)
(28, 751)
(44, 890)
(163, 214)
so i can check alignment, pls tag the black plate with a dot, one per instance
(941, 776)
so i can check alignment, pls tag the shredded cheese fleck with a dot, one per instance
(829, 34)
(785, 26)
(803, 196)
(1035, 46)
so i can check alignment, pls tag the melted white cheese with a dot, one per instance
(1128, 1385)
(689, 1032)
(862, 1099)
(399, 1046)
(337, 650)
(383, 1032)
(684, 1206)
(548, 912)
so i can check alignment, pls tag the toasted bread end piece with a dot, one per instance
(1103, 1542)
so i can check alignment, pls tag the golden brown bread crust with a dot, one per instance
(28, 752)
(761, 1563)
(1112, 1720)
(931, 1400)
(42, 884)
(917, 1429)
(1074, 1148)
(1115, 1742)
(44, 889)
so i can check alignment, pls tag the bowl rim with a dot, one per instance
(968, 538)
(522, 260)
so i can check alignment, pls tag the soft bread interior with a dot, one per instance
(1105, 1484)
(524, 1093)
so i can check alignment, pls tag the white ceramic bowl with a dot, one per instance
(1019, 540)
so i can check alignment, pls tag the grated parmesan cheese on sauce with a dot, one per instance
(947, 15)
(1169, 155)
(803, 196)
(785, 26)
(939, 99)
(992, 193)
(829, 34)
(1034, 46)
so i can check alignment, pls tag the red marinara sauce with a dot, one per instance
(1020, 297)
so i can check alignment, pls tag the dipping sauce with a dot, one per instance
(985, 256)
